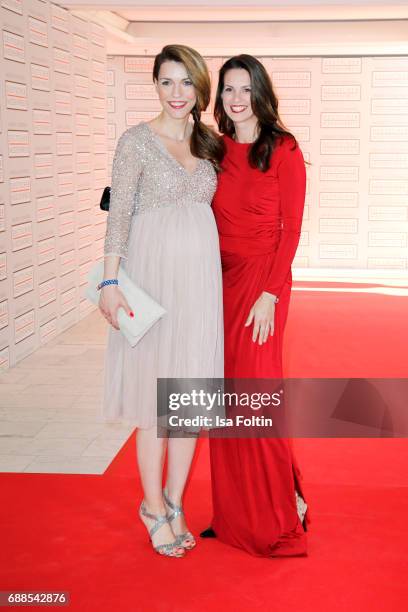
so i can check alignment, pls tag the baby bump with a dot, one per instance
(174, 251)
(175, 233)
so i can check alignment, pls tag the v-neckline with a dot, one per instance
(165, 150)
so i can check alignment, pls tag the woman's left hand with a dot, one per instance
(262, 314)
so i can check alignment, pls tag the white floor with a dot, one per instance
(50, 407)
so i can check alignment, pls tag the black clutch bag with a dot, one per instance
(105, 199)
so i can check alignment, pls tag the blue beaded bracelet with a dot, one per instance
(109, 281)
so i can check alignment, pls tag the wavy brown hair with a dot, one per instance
(204, 142)
(264, 105)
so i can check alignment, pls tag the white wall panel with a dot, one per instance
(53, 165)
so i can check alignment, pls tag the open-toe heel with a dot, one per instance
(172, 549)
(186, 539)
(301, 507)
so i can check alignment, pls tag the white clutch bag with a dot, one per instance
(147, 311)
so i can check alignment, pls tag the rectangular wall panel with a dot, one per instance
(53, 167)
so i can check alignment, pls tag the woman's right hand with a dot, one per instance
(110, 301)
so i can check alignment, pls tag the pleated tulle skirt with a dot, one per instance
(173, 254)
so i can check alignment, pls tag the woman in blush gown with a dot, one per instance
(258, 504)
(161, 224)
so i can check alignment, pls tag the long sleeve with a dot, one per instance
(126, 169)
(292, 187)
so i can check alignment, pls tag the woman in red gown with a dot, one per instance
(258, 504)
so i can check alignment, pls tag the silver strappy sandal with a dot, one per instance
(301, 506)
(170, 549)
(186, 540)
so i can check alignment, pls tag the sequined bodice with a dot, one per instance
(145, 178)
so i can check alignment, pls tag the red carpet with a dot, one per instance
(81, 533)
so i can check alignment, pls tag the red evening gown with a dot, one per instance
(259, 217)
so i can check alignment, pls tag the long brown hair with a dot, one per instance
(264, 105)
(204, 142)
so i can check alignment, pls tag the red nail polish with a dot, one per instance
(131, 314)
